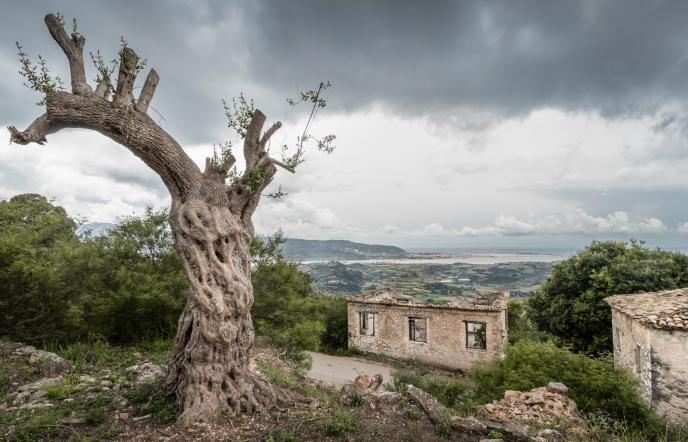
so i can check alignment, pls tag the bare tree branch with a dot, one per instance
(74, 50)
(136, 131)
(252, 139)
(283, 166)
(269, 133)
(102, 89)
(147, 91)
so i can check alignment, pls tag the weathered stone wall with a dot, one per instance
(446, 334)
(663, 357)
(670, 373)
(629, 335)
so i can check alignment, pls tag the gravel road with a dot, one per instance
(339, 370)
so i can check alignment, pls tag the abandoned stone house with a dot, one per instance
(455, 335)
(650, 333)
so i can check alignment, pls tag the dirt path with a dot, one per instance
(339, 370)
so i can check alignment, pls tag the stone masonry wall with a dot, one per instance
(670, 373)
(446, 334)
(629, 335)
(663, 357)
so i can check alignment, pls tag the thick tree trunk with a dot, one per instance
(210, 221)
(209, 372)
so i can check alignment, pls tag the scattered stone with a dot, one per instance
(74, 421)
(86, 379)
(540, 404)
(510, 431)
(36, 405)
(106, 383)
(550, 435)
(578, 432)
(365, 383)
(146, 372)
(467, 425)
(21, 398)
(435, 411)
(40, 384)
(123, 416)
(50, 364)
(141, 418)
(68, 400)
(136, 355)
(558, 387)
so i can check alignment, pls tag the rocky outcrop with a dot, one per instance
(544, 405)
(49, 364)
(467, 426)
(146, 373)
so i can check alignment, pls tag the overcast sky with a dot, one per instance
(459, 124)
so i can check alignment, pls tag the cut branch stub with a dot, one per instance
(125, 80)
(74, 50)
(252, 139)
(147, 91)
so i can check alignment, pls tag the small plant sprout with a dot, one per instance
(240, 114)
(324, 144)
(37, 75)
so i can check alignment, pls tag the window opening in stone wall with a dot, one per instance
(476, 335)
(367, 323)
(418, 329)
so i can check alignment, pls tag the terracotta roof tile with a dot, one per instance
(665, 310)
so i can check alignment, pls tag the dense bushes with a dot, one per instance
(124, 286)
(127, 285)
(570, 304)
(601, 391)
(286, 311)
(594, 384)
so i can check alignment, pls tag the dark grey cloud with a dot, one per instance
(417, 58)
(506, 57)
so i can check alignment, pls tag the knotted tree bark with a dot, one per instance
(210, 221)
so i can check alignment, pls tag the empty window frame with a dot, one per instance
(476, 335)
(366, 320)
(418, 329)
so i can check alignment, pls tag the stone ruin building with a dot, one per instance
(455, 335)
(650, 332)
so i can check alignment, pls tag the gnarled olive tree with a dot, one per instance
(210, 221)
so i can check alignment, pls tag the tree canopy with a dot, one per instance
(570, 304)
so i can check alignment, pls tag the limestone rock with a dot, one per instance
(146, 372)
(545, 404)
(558, 387)
(435, 411)
(550, 435)
(49, 364)
(86, 379)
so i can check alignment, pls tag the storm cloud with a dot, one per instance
(476, 114)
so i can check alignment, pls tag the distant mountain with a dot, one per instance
(336, 250)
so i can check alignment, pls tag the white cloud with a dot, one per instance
(575, 222)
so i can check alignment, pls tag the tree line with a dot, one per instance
(127, 285)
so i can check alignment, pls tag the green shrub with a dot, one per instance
(454, 393)
(60, 391)
(594, 384)
(282, 436)
(340, 423)
(276, 375)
